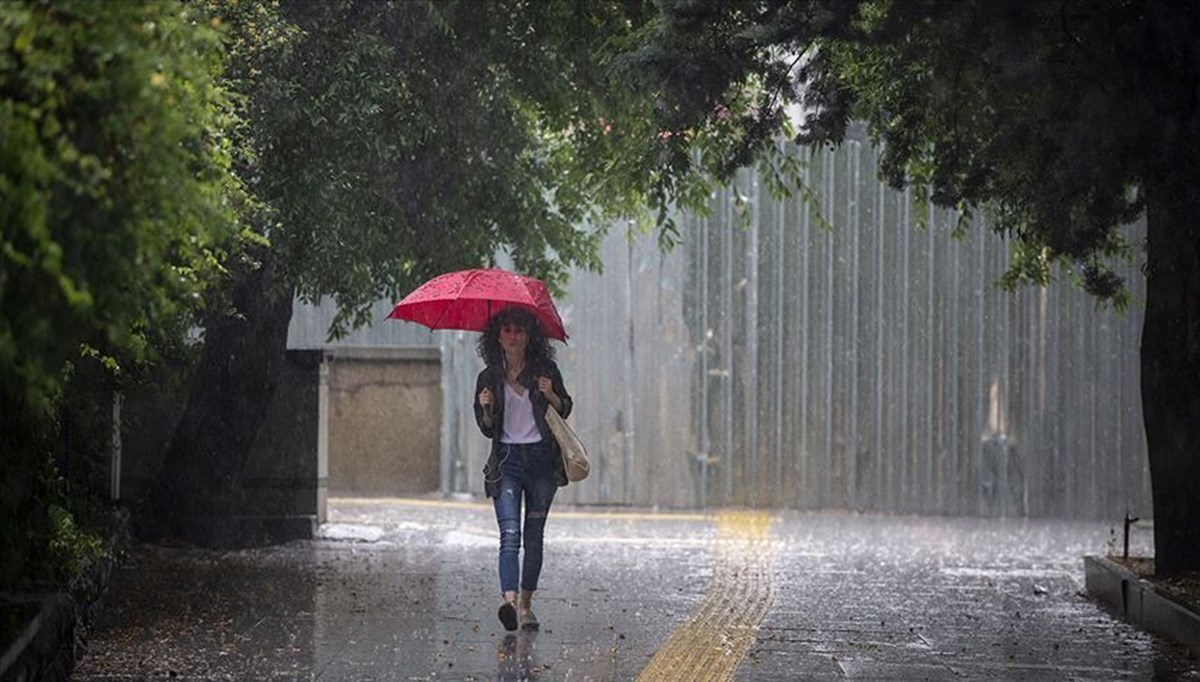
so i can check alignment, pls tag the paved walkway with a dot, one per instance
(406, 590)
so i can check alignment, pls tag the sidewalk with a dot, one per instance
(406, 590)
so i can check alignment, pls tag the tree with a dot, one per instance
(114, 192)
(1063, 120)
(391, 141)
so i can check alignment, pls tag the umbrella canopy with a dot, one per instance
(467, 299)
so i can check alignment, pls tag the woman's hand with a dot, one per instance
(485, 401)
(547, 388)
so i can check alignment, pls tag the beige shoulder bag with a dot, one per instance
(573, 453)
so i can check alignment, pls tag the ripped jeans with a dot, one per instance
(525, 472)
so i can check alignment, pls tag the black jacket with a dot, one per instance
(493, 378)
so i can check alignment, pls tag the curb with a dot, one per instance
(1136, 601)
(46, 648)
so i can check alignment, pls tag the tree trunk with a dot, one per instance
(198, 492)
(1171, 368)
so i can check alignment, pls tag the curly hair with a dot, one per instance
(538, 350)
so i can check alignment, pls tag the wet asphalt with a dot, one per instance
(407, 590)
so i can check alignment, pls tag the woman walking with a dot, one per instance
(520, 381)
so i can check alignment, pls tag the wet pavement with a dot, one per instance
(406, 590)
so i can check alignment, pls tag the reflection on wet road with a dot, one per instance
(517, 657)
(406, 590)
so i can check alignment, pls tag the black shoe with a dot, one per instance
(508, 616)
(529, 621)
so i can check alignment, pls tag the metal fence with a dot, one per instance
(768, 361)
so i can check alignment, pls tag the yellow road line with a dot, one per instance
(633, 516)
(454, 504)
(714, 639)
(406, 501)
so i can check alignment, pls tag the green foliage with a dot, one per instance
(72, 549)
(51, 523)
(723, 81)
(114, 182)
(115, 196)
(396, 140)
(1025, 106)
(55, 524)
(1051, 113)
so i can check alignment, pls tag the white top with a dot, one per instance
(519, 426)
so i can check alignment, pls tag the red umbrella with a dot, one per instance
(466, 299)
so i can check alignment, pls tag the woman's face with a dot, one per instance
(513, 339)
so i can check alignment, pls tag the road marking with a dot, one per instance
(714, 639)
(554, 512)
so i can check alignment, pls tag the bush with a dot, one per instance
(53, 530)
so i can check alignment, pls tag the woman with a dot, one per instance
(512, 394)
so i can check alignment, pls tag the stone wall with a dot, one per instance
(385, 416)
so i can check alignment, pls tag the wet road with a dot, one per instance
(406, 590)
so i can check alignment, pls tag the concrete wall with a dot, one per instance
(286, 472)
(385, 416)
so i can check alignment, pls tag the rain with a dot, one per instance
(955, 554)
(932, 457)
(825, 441)
(785, 364)
(402, 590)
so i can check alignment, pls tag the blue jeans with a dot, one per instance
(525, 472)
